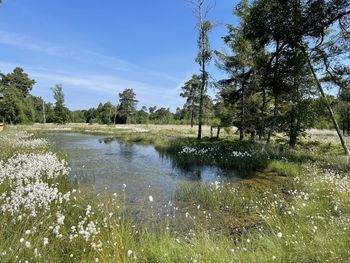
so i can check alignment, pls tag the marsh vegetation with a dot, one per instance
(254, 175)
(291, 206)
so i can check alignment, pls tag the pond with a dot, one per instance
(107, 164)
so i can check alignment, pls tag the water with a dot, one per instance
(105, 165)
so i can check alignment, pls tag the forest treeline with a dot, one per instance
(282, 60)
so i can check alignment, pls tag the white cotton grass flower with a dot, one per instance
(23, 139)
(279, 234)
(60, 218)
(129, 253)
(28, 175)
(150, 198)
(28, 245)
(45, 241)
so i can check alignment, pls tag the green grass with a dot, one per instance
(296, 209)
(211, 152)
(284, 168)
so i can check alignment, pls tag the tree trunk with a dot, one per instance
(262, 121)
(200, 116)
(329, 108)
(253, 136)
(294, 133)
(192, 117)
(218, 132)
(273, 123)
(241, 129)
(275, 91)
(203, 69)
(44, 116)
(292, 139)
(115, 115)
(348, 121)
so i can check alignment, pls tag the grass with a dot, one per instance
(229, 154)
(295, 209)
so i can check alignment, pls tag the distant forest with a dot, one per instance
(280, 72)
(18, 106)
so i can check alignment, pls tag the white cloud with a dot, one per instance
(79, 54)
(101, 86)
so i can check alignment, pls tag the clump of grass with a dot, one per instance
(239, 155)
(284, 168)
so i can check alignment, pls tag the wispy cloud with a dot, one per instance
(101, 85)
(78, 54)
(104, 76)
(25, 42)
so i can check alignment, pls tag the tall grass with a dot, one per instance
(299, 211)
(223, 153)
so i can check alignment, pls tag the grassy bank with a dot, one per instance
(297, 210)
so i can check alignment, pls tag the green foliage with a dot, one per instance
(61, 113)
(127, 104)
(18, 80)
(12, 107)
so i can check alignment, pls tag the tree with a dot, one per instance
(105, 112)
(326, 24)
(90, 115)
(17, 105)
(191, 91)
(19, 80)
(204, 27)
(61, 113)
(127, 104)
(11, 107)
(239, 65)
(141, 116)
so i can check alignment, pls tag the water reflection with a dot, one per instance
(106, 163)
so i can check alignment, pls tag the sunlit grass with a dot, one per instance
(296, 209)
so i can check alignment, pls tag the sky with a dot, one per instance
(96, 49)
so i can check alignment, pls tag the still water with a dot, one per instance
(106, 164)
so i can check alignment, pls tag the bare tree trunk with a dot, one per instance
(329, 108)
(241, 129)
(200, 114)
(202, 59)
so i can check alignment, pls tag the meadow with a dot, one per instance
(293, 205)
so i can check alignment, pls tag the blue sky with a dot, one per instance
(98, 48)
